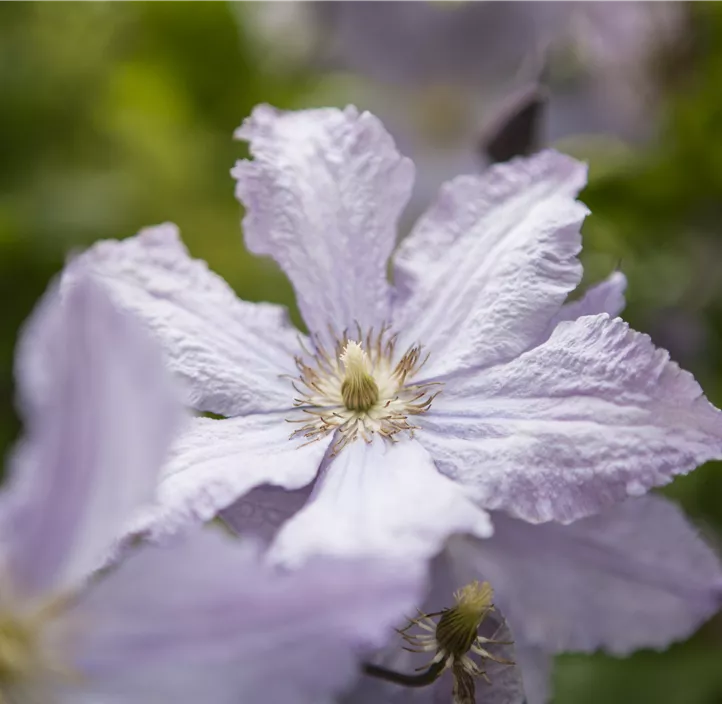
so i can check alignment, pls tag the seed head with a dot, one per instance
(455, 638)
(458, 626)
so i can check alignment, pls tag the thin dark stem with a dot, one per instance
(421, 680)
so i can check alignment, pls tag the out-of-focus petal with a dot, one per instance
(262, 511)
(380, 498)
(206, 620)
(615, 87)
(604, 297)
(94, 442)
(485, 270)
(634, 576)
(593, 415)
(322, 196)
(229, 354)
(218, 461)
(481, 46)
(535, 666)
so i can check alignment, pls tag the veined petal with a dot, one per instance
(634, 576)
(229, 354)
(486, 269)
(94, 442)
(380, 498)
(593, 415)
(216, 462)
(604, 297)
(322, 196)
(208, 620)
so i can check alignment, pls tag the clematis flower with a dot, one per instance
(204, 619)
(634, 576)
(465, 386)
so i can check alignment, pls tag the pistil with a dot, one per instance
(359, 389)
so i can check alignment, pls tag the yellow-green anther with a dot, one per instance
(458, 626)
(359, 389)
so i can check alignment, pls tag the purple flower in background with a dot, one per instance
(600, 60)
(203, 620)
(431, 43)
(465, 386)
(463, 84)
(607, 70)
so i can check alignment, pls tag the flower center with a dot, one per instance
(360, 388)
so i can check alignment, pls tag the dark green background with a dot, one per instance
(119, 115)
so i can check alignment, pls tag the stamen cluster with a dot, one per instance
(359, 388)
(455, 636)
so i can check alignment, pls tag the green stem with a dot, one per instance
(421, 680)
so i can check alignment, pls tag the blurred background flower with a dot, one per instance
(114, 116)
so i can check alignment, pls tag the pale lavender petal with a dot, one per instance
(634, 576)
(380, 498)
(215, 462)
(206, 620)
(593, 415)
(485, 270)
(322, 196)
(604, 297)
(477, 46)
(615, 88)
(262, 511)
(229, 354)
(535, 666)
(628, 38)
(94, 442)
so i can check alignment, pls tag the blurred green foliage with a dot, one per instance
(114, 116)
